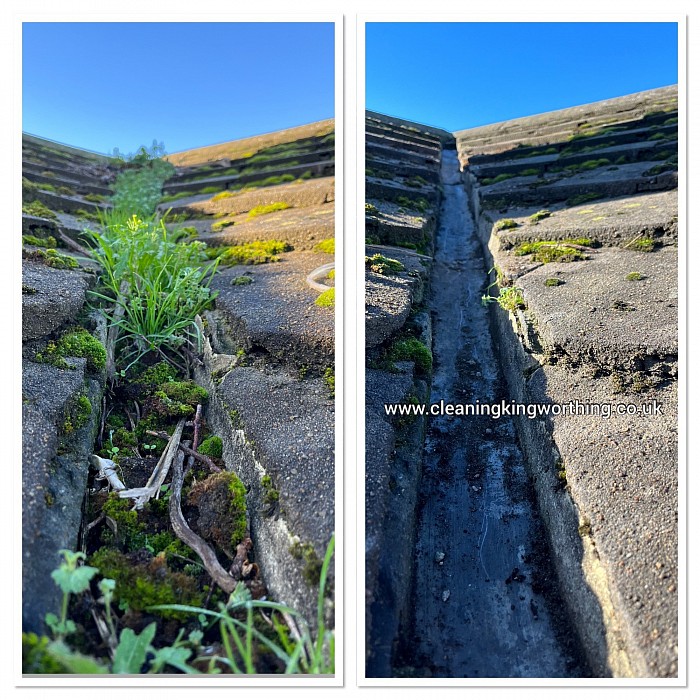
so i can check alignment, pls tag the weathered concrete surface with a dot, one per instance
(606, 487)
(308, 193)
(392, 474)
(276, 313)
(50, 298)
(403, 162)
(599, 317)
(318, 169)
(559, 125)
(609, 222)
(396, 189)
(251, 145)
(277, 426)
(393, 225)
(606, 181)
(302, 228)
(389, 297)
(54, 476)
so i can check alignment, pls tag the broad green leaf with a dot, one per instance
(240, 596)
(73, 580)
(130, 655)
(58, 627)
(173, 656)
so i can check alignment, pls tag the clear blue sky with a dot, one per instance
(459, 75)
(107, 85)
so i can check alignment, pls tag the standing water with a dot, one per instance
(484, 595)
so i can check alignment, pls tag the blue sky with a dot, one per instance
(459, 75)
(107, 85)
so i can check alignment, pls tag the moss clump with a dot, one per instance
(36, 208)
(35, 657)
(329, 379)
(511, 299)
(75, 343)
(421, 204)
(26, 289)
(505, 224)
(177, 399)
(124, 438)
(538, 216)
(553, 282)
(263, 209)
(129, 530)
(382, 265)
(49, 242)
(52, 258)
(583, 198)
(554, 251)
(81, 343)
(271, 495)
(326, 246)
(588, 165)
(221, 225)
(644, 245)
(156, 375)
(241, 281)
(634, 276)
(412, 350)
(371, 210)
(93, 197)
(212, 446)
(326, 298)
(255, 253)
(221, 507)
(141, 586)
(312, 563)
(88, 215)
(222, 195)
(502, 177)
(77, 414)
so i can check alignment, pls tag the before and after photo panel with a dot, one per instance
(192, 368)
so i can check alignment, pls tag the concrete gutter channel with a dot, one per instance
(478, 566)
(569, 596)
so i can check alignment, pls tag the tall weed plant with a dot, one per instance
(160, 285)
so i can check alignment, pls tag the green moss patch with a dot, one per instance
(51, 258)
(326, 246)
(382, 265)
(220, 500)
(263, 209)
(176, 399)
(141, 586)
(255, 253)
(326, 298)
(554, 251)
(505, 224)
(77, 414)
(213, 447)
(644, 245)
(221, 225)
(412, 350)
(538, 216)
(36, 208)
(48, 242)
(75, 343)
